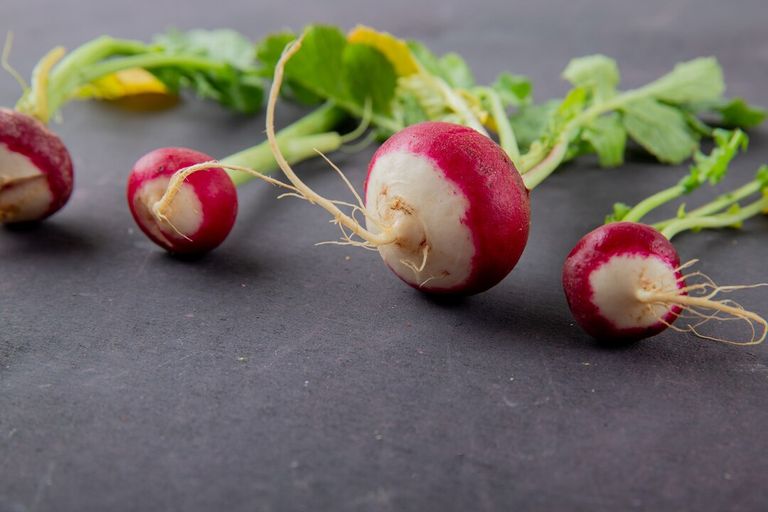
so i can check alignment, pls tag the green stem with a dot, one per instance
(721, 203)
(535, 175)
(296, 149)
(645, 206)
(716, 221)
(63, 80)
(540, 165)
(297, 140)
(507, 138)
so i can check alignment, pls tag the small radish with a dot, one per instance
(624, 280)
(205, 206)
(36, 175)
(187, 211)
(614, 278)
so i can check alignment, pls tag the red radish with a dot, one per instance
(205, 205)
(36, 176)
(454, 204)
(185, 210)
(445, 206)
(613, 277)
(624, 282)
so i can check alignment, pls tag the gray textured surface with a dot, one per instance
(274, 375)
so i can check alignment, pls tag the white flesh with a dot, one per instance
(185, 213)
(26, 195)
(616, 283)
(409, 189)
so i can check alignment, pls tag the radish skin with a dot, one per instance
(203, 212)
(36, 174)
(610, 272)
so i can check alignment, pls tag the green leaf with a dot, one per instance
(713, 167)
(660, 129)
(269, 50)
(514, 90)
(236, 83)
(328, 67)
(607, 136)
(762, 176)
(530, 122)
(369, 76)
(596, 73)
(690, 82)
(456, 71)
(426, 58)
(738, 113)
(320, 61)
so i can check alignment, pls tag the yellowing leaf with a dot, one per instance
(128, 82)
(394, 49)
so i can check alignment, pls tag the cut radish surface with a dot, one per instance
(36, 177)
(610, 278)
(456, 204)
(203, 210)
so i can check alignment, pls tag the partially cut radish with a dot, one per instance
(611, 276)
(36, 176)
(202, 212)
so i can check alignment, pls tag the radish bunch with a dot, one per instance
(624, 280)
(444, 205)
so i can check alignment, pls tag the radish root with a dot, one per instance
(339, 217)
(704, 307)
(6, 64)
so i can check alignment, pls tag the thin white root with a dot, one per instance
(704, 308)
(418, 269)
(386, 237)
(6, 64)
(161, 207)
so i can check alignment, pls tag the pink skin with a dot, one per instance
(499, 210)
(25, 135)
(599, 247)
(213, 189)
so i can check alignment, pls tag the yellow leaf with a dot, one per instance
(394, 49)
(129, 82)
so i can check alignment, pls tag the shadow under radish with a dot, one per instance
(46, 238)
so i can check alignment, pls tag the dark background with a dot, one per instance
(274, 375)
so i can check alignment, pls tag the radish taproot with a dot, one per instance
(624, 280)
(36, 172)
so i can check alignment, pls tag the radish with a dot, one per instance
(445, 207)
(453, 204)
(187, 211)
(36, 174)
(624, 281)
